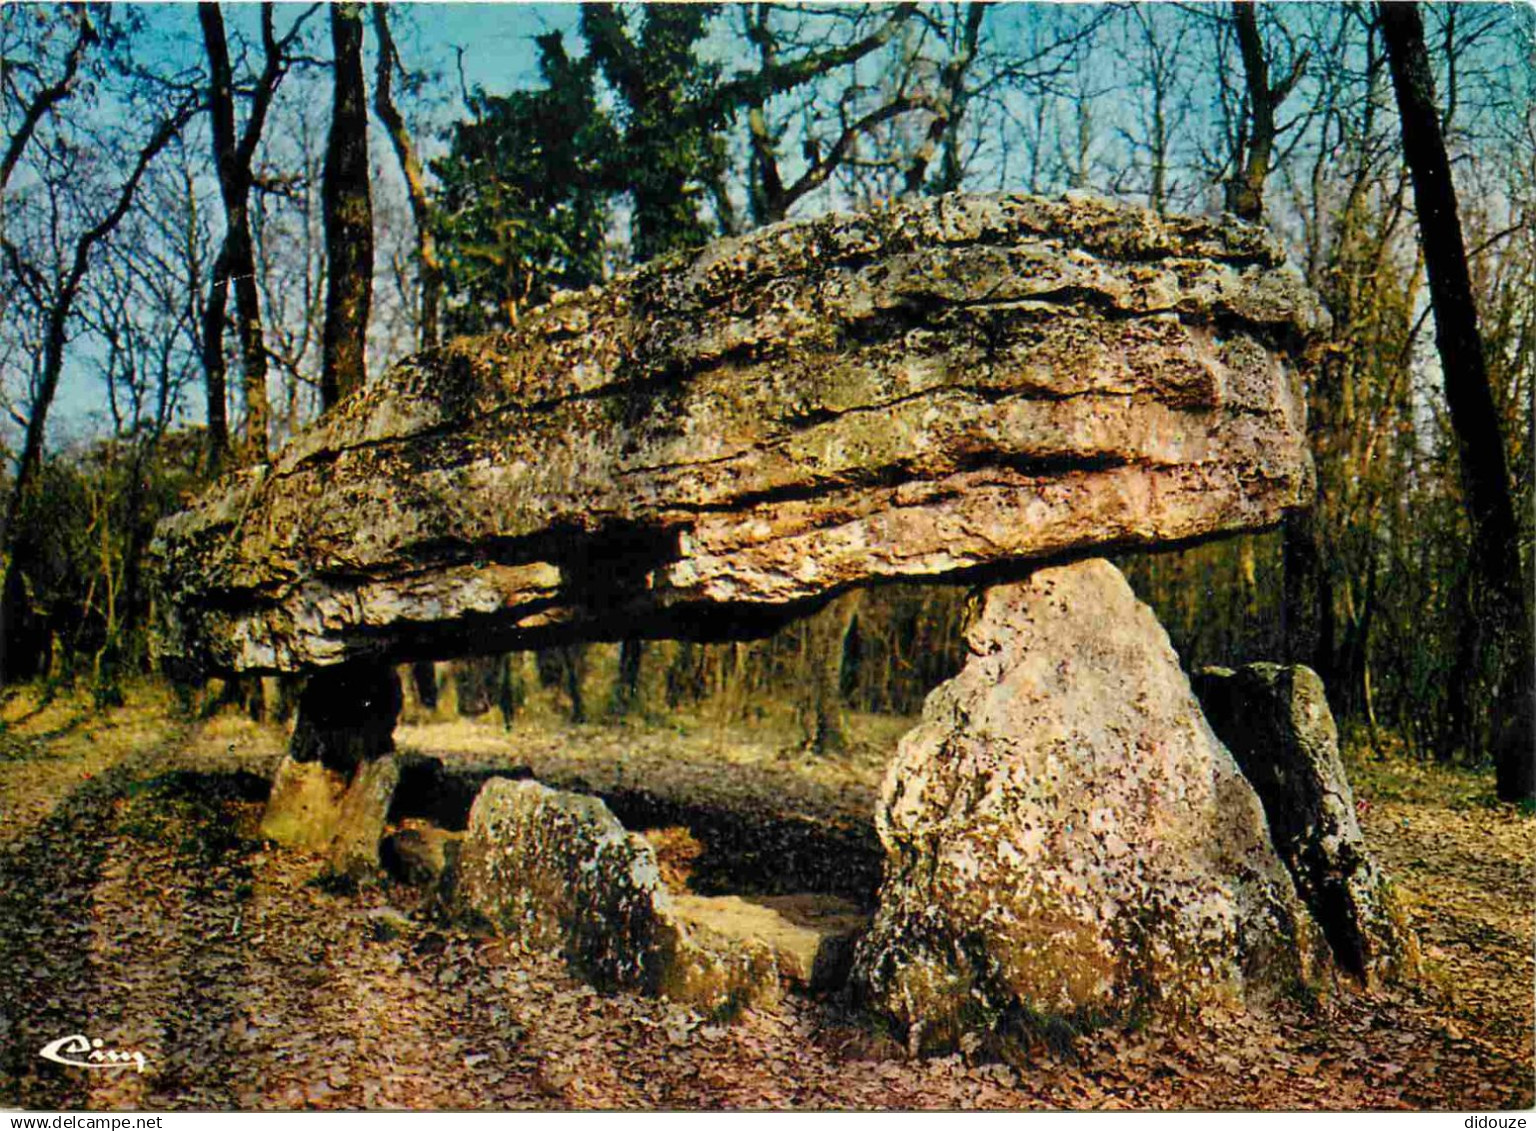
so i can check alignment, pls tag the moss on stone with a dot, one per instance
(1066, 839)
(557, 871)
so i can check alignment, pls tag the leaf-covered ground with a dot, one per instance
(137, 906)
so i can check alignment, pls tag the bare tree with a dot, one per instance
(1159, 36)
(822, 715)
(49, 93)
(1255, 148)
(57, 298)
(234, 154)
(948, 108)
(1500, 621)
(140, 304)
(772, 191)
(288, 233)
(429, 267)
(348, 215)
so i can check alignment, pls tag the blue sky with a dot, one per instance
(497, 39)
(499, 54)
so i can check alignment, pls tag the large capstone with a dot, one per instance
(1275, 720)
(713, 443)
(1066, 839)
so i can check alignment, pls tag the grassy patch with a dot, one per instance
(1391, 775)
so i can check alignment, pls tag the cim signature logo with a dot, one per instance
(79, 1051)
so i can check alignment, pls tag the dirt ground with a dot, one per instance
(137, 906)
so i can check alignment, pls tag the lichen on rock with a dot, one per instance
(707, 445)
(1275, 720)
(1066, 839)
(556, 870)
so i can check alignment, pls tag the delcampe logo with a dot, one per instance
(79, 1051)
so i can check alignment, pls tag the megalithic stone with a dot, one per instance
(960, 388)
(1066, 840)
(1275, 720)
(333, 790)
(945, 388)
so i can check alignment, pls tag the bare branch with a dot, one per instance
(48, 97)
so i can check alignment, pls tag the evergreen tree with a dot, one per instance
(523, 207)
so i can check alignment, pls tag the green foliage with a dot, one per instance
(79, 554)
(671, 147)
(531, 181)
(522, 207)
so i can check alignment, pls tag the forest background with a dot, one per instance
(218, 220)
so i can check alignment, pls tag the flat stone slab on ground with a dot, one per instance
(811, 936)
(556, 870)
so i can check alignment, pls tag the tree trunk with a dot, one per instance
(140, 531)
(511, 688)
(1499, 597)
(476, 681)
(1252, 160)
(944, 127)
(626, 685)
(573, 660)
(233, 157)
(1245, 191)
(424, 679)
(564, 666)
(253, 349)
(348, 216)
(221, 104)
(429, 266)
(215, 377)
(826, 727)
(685, 675)
(1307, 600)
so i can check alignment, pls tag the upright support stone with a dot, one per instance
(1065, 837)
(360, 822)
(332, 792)
(304, 806)
(347, 715)
(1275, 720)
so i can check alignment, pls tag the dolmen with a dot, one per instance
(987, 390)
